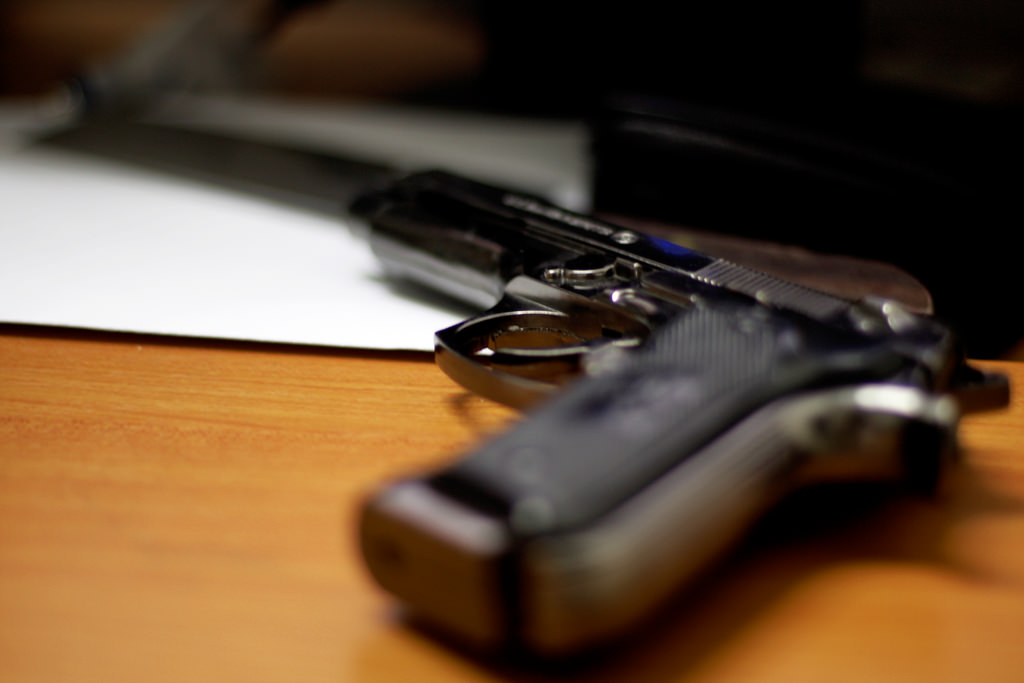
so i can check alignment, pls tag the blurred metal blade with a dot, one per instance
(306, 178)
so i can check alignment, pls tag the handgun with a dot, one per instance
(670, 399)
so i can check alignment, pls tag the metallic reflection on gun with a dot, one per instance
(707, 392)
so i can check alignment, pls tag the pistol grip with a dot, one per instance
(558, 592)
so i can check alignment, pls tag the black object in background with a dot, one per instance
(551, 57)
(927, 185)
(754, 119)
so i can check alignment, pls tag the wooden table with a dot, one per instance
(173, 510)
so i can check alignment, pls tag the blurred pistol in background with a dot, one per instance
(205, 45)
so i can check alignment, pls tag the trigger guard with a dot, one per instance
(472, 354)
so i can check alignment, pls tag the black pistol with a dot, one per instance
(692, 394)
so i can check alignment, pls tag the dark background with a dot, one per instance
(551, 55)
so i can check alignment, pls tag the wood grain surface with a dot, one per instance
(173, 510)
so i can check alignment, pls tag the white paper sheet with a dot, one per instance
(93, 244)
